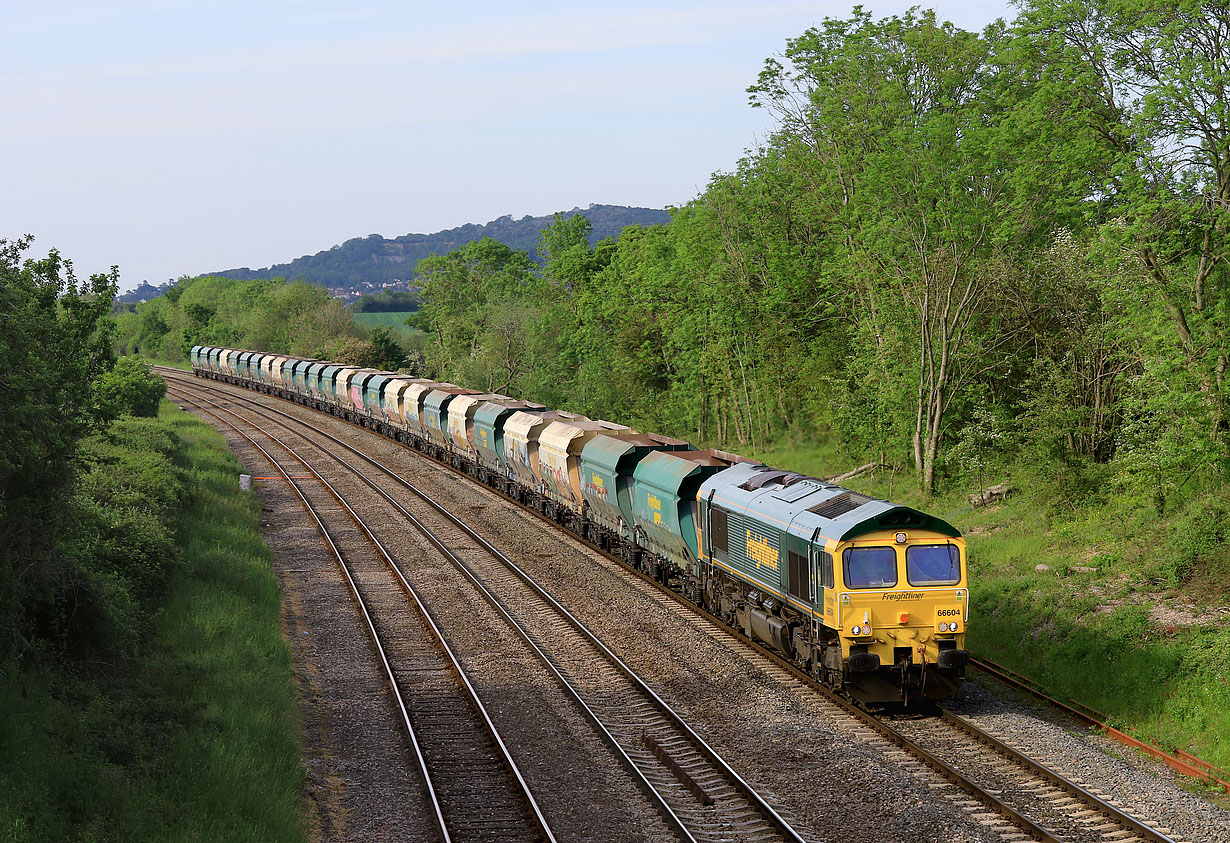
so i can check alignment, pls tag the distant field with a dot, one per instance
(396, 321)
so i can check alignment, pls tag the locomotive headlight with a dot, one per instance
(943, 626)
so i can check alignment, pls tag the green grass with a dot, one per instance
(196, 739)
(394, 320)
(182, 365)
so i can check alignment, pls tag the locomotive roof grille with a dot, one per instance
(838, 506)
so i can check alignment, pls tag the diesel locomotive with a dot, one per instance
(867, 596)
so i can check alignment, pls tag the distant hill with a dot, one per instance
(145, 292)
(365, 263)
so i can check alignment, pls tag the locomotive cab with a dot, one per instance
(900, 611)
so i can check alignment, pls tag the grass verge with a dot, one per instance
(196, 738)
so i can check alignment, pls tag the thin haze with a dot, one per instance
(175, 138)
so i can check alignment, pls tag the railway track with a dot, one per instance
(1183, 762)
(1075, 813)
(471, 781)
(695, 788)
(995, 783)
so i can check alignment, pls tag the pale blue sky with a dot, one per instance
(175, 138)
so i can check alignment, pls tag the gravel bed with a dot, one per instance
(591, 796)
(775, 731)
(1143, 788)
(588, 797)
(360, 784)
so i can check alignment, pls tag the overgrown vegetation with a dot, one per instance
(181, 725)
(957, 252)
(293, 317)
(145, 690)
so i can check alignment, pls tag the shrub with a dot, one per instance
(121, 545)
(130, 389)
(1196, 538)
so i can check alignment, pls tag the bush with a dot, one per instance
(1196, 539)
(130, 389)
(121, 546)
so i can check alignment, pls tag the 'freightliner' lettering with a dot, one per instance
(903, 595)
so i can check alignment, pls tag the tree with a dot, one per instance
(56, 340)
(461, 294)
(130, 388)
(387, 352)
(894, 122)
(1147, 82)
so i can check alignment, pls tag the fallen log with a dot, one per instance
(862, 469)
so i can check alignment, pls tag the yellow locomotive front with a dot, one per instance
(901, 609)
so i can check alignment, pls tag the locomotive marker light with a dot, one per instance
(901, 537)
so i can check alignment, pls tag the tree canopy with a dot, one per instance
(951, 238)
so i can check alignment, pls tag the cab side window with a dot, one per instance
(826, 569)
(719, 535)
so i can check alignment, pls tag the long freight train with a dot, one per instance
(868, 596)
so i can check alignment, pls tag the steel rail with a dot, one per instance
(523, 786)
(712, 755)
(1183, 762)
(1054, 778)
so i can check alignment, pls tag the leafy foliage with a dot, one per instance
(970, 253)
(54, 344)
(130, 388)
(194, 736)
(296, 317)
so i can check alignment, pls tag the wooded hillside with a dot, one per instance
(377, 259)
